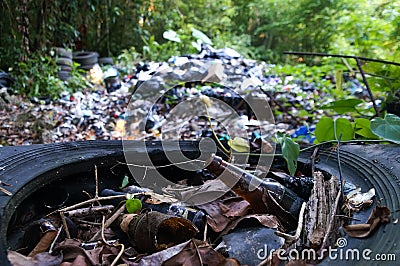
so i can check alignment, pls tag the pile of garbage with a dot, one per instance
(100, 112)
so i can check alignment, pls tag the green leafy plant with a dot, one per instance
(387, 128)
(38, 77)
(330, 129)
(343, 106)
(127, 60)
(362, 127)
(184, 41)
(290, 151)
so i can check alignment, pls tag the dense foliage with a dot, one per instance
(155, 30)
(261, 29)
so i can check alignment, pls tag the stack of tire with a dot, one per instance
(64, 62)
(86, 59)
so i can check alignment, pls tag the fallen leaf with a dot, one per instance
(41, 259)
(378, 215)
(221, 212)
(159, 257)
(239, 144)
(198, 253)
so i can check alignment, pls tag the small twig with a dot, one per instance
(205, 232)
(159, 166)
(96, 194)
(103, 225)
(55, 239)
(87, 222)
(103, 228)
(347, 217)
(65, 224)
(4, 183)
(313, 156)
(5, 191)
(371, 96)
(289, 239)
(94, 200)
(87, 194)
(198, 253)
(227, 153)
(343, 56)
(89, 210)
(340, 166)
(109, 222)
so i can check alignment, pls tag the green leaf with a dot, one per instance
(344, 127)
(133, 205)
(201, 36)
(239, 144)
(388, 128)
(362, 127)
(125, 181)
(339, 79)
(171, 36)
(290, 151)
(325, 129)
(343, 106)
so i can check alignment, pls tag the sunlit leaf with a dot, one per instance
(329, 129)
(387, 128)
(290, 151)
(133, 205)
(171, 36)
(201, 36)
(125, 182)
(343, 106)
(239, 144)
(362, 127)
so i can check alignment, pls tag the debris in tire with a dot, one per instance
(378, 216)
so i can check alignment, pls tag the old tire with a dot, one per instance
(62, 52)
(86, 58)
(29, 168)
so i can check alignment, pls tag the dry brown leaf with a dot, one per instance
(198, 253)
(223, 211)
(41, 259)
(378, 215)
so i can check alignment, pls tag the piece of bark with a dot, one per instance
(319, 210)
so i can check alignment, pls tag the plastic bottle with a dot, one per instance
(269, 197)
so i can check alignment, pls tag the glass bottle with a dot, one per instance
(269, 197)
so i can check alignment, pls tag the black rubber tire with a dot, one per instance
(28, 168)
(104, 61)
(368, 166)
(64, 75)
(64, 61)
(62, 52)
(64, 68)
(86, 58)
(86, 67)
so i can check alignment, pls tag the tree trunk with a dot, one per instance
(23, 27)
